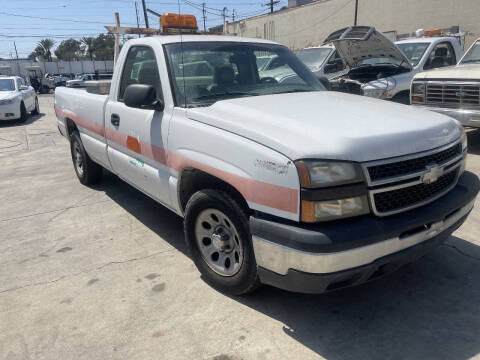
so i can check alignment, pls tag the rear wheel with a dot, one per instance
(218, 236)
(88, 172)
(36, 110)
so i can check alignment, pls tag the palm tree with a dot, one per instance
(47, 44)
(89, 47)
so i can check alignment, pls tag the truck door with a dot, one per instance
(136, 137)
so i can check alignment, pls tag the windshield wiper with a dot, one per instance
(225, 93)
(470, 61)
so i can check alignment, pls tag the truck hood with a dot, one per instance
(459, 72)
(357, 43)
(7, 94)
(330, 125)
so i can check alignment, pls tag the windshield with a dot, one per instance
(414, 51)
(7, 85)
(206, 72)
(473, 55)
(314, 57)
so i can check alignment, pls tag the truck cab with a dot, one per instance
(382, 69)
(280, 183)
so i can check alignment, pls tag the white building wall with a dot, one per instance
(310, 24)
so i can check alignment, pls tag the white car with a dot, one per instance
(322, 60)
(17, 99)
(382, 69)
(452, 91)
(79, 81)
(282, 183)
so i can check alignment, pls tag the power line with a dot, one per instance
(56, 19)
(271, 3)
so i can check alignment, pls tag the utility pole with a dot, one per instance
(117, 38)
(145, 13)
(136, 13)
(16, 52)
(356, 13)
(204, 16)
(271, 3)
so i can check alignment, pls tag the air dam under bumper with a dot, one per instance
(323, 257)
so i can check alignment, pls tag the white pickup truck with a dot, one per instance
(284, 184)
(452, 91)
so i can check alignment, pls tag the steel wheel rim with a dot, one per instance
(224, 256)
(78, 159)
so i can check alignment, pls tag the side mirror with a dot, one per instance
(23, 87)
(142, 96)
(325, 82)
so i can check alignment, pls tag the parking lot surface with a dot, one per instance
(103, 273)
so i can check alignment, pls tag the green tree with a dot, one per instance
(38, 52)
(46, 45)
(88, 46)
(103, 45)
(69, 50)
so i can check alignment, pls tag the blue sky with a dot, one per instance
(27, 21)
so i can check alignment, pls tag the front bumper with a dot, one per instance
(322, 257)
(467, 117)
(10, 111)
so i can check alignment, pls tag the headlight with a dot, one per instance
(376, 93)
(327, 173)
(6, 102)
(418, 93)
(314, 211)
(331, 190)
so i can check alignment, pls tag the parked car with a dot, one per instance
(17, 99)
(452, 91)
(322, 60)
(79, 80)
(382, 69)
(278, 183)
(60, 80)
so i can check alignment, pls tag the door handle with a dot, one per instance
(115, 120)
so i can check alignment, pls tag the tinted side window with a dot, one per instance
(441, 55)
(140, 68)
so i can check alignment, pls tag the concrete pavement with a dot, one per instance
(103, 273)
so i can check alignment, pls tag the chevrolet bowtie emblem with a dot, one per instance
(432, 174)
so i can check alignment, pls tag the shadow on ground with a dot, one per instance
(473, 137)
(427, 310)
(17, 123)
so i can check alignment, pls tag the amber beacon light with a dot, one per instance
(178, 21)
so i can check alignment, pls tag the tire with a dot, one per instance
(237, 275)
(402, 98)
(36, 110)
(23, 112)
(88, 172)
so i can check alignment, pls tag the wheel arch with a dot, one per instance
(71, 127)
(191, 180)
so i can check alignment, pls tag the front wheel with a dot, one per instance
(36, 110)
(88, 172)
(218, 236)
(23, 112)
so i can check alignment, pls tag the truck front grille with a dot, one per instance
(399, 168)
(446, 93)
(405, 197)
(413, 180)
